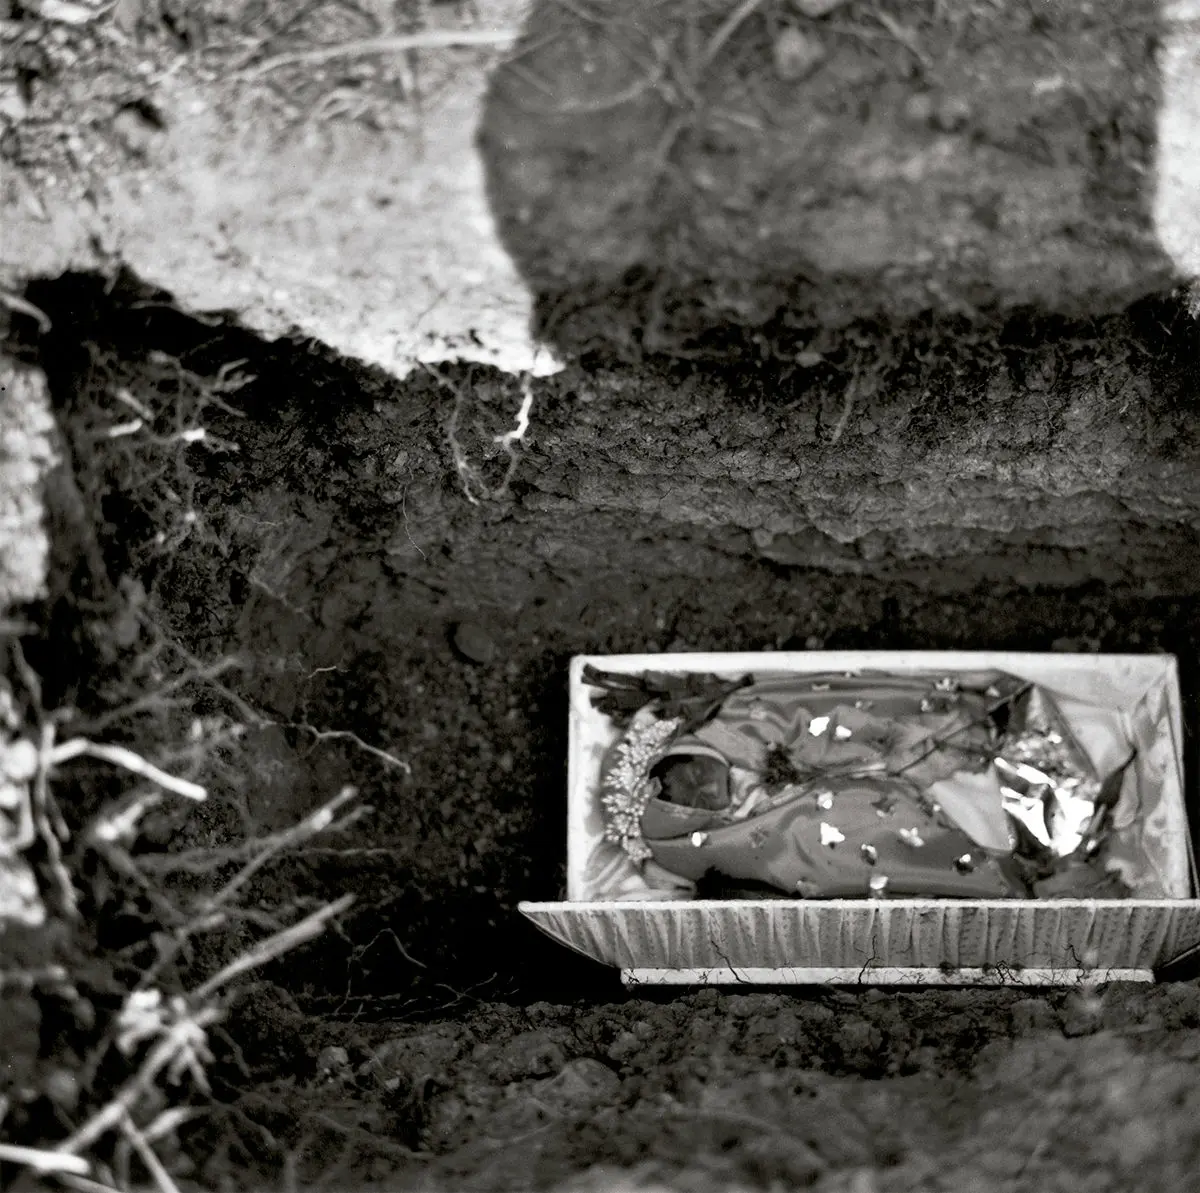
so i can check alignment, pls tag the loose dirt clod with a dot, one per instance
(473, 642)
(796, 54)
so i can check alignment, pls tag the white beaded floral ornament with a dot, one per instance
(628, 787)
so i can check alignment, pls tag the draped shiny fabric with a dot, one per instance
(875, 836)
(971, 785)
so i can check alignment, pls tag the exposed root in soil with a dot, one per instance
(475, 486)
(155, 1026)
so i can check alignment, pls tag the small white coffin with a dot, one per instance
(657, 937)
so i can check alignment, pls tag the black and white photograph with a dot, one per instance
(599, 596)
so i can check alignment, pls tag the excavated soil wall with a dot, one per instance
(402, 588)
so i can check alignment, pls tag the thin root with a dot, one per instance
(23, 306)
(141, 1145)
(433, 39)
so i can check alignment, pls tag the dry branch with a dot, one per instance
(433, 39)
(40, 1160)
(120, 756)
(175, 1041)
(275, 946)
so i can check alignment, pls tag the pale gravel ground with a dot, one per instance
(380, 244)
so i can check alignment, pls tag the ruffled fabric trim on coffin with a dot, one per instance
(1066, 933)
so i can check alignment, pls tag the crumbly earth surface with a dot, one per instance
(382, 581)
(877, 1091)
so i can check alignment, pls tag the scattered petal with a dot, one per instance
(830, 835)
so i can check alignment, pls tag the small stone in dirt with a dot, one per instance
(580, 1085)
(923, 1058)
(531, 1054)
(1032, 1014)
(919, 108)
(742, 1006)
(138, 128)
(850, 1180)
(796, 55)
(646, 1177)
(62, 1088)
(951, 115)
(816, 1015)
(473, 642)
(859, 1039)
(1076, 645)
(1082, 1013)
(816, 8)
(626, 1046)
(423, 1052)
(12, 103)
(333, 1063)
(1182, 1004)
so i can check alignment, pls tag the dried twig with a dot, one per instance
(23, 306)
(314, 823)
(847, 408)
(169, 1031)
(158, 698)
(41, 807)
(346, 735)
(366, 948)
(937, 740)
(40, 1160)
(603, 103)
(906, 37)
(83, 1184)
(274, 946)
(162, 1178)
(470, 476)
(207, 916)
(200, 861)
(725, 32)
(120, 756)
(432, 39)
(251, 715)
(174, 1041)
